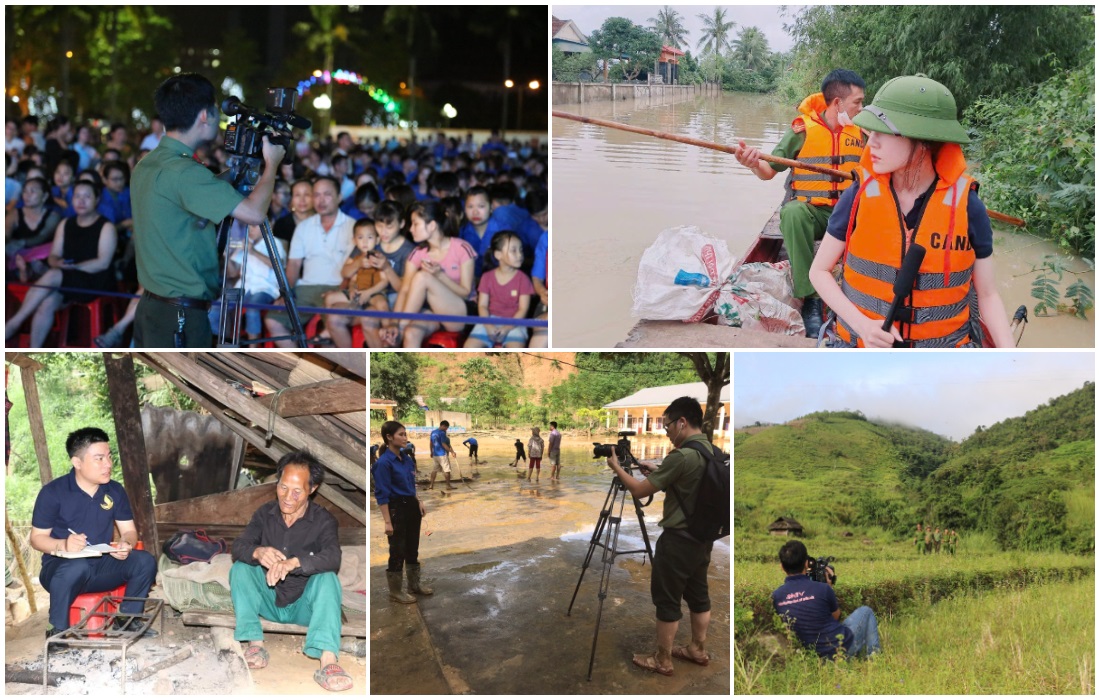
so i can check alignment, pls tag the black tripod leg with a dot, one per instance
(296, 330)
(232, 241)
(644, 530)
(593, 543)
(610, 549)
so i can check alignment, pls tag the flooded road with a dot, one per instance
(504, 558)
(614, 192)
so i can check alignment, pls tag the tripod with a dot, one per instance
(616, 496)
(243, 173)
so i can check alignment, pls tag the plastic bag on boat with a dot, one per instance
(681, 276)
(760, 296)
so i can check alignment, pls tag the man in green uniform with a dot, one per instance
(823, 134)
(177, 205)
(919, 539)
(927, 538)
(938, 540)
(680, 562)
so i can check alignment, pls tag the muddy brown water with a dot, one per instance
(614, 192)
(504, 557)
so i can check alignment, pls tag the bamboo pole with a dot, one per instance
(790, 163)
(17, 552)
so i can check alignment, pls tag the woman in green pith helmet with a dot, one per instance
(912, 189)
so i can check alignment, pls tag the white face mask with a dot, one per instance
(845, 119)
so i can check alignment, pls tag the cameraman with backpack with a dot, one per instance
(681, 560)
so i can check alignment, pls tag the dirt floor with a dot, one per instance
(504, 558)
(207, 672)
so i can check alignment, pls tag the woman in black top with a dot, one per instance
(301, 208)
(81, 257)
(33, 224)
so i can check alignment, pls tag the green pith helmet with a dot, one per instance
(916, 107)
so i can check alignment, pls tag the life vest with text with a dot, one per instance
(839, 150)
(937, 313)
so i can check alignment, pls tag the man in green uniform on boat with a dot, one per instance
(823, 134)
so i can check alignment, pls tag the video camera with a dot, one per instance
(817, 569)
(621, 450)
(244, 134)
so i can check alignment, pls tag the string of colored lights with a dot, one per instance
(346, 77)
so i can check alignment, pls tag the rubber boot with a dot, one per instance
(414, 585)
(395, 593)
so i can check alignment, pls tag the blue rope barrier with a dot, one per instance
(302, 310)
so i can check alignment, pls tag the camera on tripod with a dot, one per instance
(244, 134)
(621, 450)
(818, 569)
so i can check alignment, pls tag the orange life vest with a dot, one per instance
(839, 150)
(937, 313)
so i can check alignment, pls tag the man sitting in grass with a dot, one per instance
(813, 613)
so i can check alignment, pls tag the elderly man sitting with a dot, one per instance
(284, 570)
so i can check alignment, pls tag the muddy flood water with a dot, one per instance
(504, 557)
(614, 192)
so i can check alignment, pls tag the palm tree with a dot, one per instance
(715, 33)
(669, 25)
(750, 46)
(323, 34)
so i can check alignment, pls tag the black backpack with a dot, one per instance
(187, 546)
(709, 519)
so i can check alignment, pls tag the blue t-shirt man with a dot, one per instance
(440, 443)
(808, 606)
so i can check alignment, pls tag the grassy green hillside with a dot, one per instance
(1027, 481)
(819, 468)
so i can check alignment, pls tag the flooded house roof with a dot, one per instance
(664, 395)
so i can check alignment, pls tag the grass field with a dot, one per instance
(982, 621)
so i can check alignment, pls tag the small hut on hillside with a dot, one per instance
(785, 527)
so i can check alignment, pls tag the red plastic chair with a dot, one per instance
(443, 339)
(89, 323)
(357, 339)
(99, 602)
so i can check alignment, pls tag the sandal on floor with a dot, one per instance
(110, 339)
(325, 677)
(648, 662)
(684, 652)
(256, 657)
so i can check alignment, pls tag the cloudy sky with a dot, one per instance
(949, 393)
(769, 19)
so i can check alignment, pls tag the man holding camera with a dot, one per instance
(177, 205)
(680, 562)
(812, 611)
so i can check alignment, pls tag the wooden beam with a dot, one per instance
(332, 396)
(38, 426)
(346, 536)
(238, 461)
(22, 360)
(122, 391)
(349, 507)
(354, 362)
(222, 619)
(236, 508)
(202, 379)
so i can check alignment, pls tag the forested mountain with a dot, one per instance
(1027, 480)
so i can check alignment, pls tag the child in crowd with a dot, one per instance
(364, 282)
(478, 209)
(260, 284)
(395, 247)
(504, 292)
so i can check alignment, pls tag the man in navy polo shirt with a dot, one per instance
(813, 613)
(82, 508)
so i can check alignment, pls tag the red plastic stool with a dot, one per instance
(442, 339)
(88, 323)
(357, 339)
(98, 602)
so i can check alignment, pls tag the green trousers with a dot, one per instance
(802, 225)
(318, 608)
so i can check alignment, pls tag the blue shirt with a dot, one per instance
(808, 606)
(438, 440)
(980, 228)
(472, 442)
(393, 476)
(116, 208)
(61, 505)
(539, 269)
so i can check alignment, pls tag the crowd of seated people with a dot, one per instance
(375, 225)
